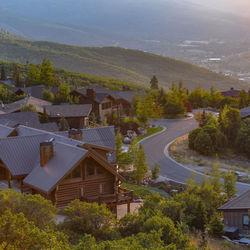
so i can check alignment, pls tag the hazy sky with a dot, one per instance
(235, 6)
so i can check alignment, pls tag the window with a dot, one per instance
(90, 169)
(101, 188)
(245, 221)
(99, 171)
(106, 105)
(76, 173)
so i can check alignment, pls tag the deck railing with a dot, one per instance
(122, 196)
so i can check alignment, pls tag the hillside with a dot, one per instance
(112, 62)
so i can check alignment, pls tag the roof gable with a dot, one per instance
(240, 202)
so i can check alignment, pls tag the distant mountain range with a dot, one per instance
(112, 62)
(141, 24)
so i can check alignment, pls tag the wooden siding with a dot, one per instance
(70, 189)
(234, 218)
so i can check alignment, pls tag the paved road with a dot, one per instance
(154, 148)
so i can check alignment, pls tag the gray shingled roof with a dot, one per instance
(27, 131)
(5, 131)
(46, 177)
(231, 93)
(240, 202)
(101, 93)
(74, 110)
(35, 91)
(100, 136)
(29, 119)
(18, 105)
(245, 112)
(21, 154)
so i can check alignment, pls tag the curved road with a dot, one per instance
(155, 146)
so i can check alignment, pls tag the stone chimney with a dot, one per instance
(46, 152)
(91, 93)
(75, 134)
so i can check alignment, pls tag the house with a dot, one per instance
(245, 112)
(35, 91)
(77, 115)
(236, 213)
(61, 169)
(103, 104)
(29, 119)
(231, 93)
(18, 105)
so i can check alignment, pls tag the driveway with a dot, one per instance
(155, 146)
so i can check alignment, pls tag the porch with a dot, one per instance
(121, 197)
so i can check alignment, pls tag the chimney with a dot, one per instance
(75, 134)
(91, 93)
(125, 88)
(46, 152)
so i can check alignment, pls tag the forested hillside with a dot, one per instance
(112, 62)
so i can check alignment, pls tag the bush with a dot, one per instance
(192, 136)
(219, 140)
(216, 227)
(203, 143)
(87, 218)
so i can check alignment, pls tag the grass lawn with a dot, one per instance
(143, 192)
(150, 131)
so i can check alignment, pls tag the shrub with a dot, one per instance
(203, 143)
(216, 227)
(192, 136)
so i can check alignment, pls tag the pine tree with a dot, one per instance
(44, 116)
(46, 76)
(3, 75)
(141, 167)
(63, 124)
(16, 75)
(33, 75)
(154, 83)
(229, 185)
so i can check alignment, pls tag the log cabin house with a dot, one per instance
(62, 168)
(77, 115)
(236, 214)
(103, 104)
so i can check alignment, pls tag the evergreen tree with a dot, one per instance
(155, 171)
(243, 102)
(33, 75)
(48, 95)
(16, 75)
(3, 75)
(141, 112)
(44, 118)
(216, 227)
(46, 76)
(63, 94)
(229, 184)
(140, 166)
(154, 83)
(63, 124)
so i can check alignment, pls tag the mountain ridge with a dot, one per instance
(113, 62)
